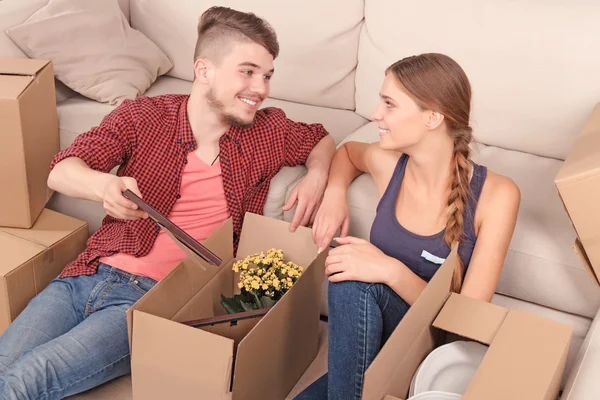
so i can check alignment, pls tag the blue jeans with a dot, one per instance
(362, 316)
(71, 337)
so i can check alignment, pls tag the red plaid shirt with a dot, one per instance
(150, 137)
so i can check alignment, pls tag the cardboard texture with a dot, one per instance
(30, 139)
(31, 258)
(525, 360)
(260, 358)
(578, 184)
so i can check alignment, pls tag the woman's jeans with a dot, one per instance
(71, 337)
(362, 316)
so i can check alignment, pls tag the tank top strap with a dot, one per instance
(391, 192)
(476, 186)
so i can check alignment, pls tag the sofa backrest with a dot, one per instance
(15, 12)
(318, 42)
(534, 66)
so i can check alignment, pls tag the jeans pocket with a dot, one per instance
(143, 285)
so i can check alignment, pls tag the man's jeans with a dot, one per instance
(71, 337)
(362, 316)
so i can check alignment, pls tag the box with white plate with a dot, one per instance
(500, 353)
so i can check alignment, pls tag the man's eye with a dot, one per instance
(268, 77)
(247, 72)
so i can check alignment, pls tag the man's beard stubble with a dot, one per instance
(219, 109)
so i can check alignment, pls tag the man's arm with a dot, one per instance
(83, 169)
(307, 144)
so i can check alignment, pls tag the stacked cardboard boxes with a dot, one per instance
(35, 243)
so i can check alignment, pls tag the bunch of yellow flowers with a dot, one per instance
(267, 274)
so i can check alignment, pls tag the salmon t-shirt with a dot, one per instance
(199, 211)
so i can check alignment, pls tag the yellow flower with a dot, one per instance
(255, 285)
(265, 287)
(241, 285)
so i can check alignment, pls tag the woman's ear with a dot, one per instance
(433, 119)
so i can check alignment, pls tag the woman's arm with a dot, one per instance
(499, 206)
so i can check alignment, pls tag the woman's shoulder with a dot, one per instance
(499, 192)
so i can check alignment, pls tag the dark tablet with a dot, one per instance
(179, 233)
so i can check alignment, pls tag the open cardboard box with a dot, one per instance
(29, 134)
(255, 359)
(525, 359)
(578, 184)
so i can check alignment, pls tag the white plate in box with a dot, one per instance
(449, 368)
(435, 395)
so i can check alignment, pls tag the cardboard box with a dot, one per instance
(31, 258)
(525, 359)
(578, 184)
(255, 359)
(30, 139)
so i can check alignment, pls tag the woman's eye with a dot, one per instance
(388, 105)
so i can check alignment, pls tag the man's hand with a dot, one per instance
(332, 215)
(111, 190)
(308, 193)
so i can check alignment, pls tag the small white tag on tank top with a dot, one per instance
(430, 257)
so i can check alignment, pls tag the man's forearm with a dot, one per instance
(319, 159)
(72, 177)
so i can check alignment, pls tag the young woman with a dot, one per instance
(431, 196)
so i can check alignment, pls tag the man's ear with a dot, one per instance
(433, 119)
(203, 70)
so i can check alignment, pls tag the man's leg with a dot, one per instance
(93, 352)
(47, 316)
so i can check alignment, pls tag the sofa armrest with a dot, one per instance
(582, 382)
(281, 185)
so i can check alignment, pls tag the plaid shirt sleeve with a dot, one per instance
(105, 146)
(300, 139)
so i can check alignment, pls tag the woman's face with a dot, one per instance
(402, 123)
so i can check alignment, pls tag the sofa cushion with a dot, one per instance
(541, 266)
(94, 50)
(78, 114)
(15, 12)
(533, 65)
(315, 66)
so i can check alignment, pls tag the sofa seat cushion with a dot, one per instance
(78, 114)
(541, 266)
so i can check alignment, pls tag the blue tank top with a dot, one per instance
(422, 254)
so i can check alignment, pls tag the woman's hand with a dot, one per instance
(359, 260)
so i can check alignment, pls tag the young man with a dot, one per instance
(199, 159)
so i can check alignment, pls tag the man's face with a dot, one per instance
(241, 83)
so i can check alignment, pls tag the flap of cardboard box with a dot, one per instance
(11, 87)
(189, 348)
(525, 360)
(578, 184)
(585, 260)
(474, 319)
(21, 66)
(16, 251)
(16, 74)
(299, 245)
(49, 228)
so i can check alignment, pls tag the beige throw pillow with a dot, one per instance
(94, 50)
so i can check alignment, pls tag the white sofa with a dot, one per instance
(533, 66)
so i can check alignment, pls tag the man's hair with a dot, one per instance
(219, 26)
